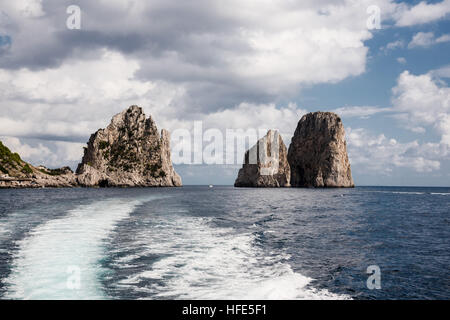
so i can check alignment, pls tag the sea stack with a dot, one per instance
(130, 152)
(265, 164)
(318, 152)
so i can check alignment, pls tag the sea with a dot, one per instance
(221, 242)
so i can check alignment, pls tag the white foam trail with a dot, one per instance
(203, 262)
(400, 192)
(40, 267)
(414, 192)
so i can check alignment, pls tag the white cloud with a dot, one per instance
(26, 8)
(77, 98)
(222, 53)
(426, 39)
(401, 60)
(423, 101)
(25, 150)
(443, 72)
(379, 154)
(443, 38)
(393, 45)
(421, 13)
(363, 112)
(90, 81)
(444, 127)
(422, 39)
(52, 154)
(248, 115)
(68, 152)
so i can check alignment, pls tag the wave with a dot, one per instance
(60, 258)
(200, 261)
(414, 192)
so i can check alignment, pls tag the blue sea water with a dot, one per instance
(197, 242)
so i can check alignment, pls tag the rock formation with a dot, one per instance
(16, 173)
(129, 152)
(265, 164)
(318, 152)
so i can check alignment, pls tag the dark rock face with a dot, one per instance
(318, 152)
(129, 152)
(265, 164)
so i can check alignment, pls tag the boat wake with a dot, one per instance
(198, 261)
(84, 255)
(60, 259)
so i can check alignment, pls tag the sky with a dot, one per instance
(233, 64)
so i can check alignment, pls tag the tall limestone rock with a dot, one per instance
(318, 152)
(265, 164)
(129, 152)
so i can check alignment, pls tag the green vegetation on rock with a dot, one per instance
(52, 172)
(3, 169)
(103, 145)
(7, 157)
(155, 170)
(26, 169)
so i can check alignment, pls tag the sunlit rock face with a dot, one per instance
(129, 152)
(318, 152)
(265, 164)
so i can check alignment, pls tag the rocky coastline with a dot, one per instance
(130, 152)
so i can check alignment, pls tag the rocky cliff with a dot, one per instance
(265, 164)
(16, 173)
(318, 152)
(129, 152)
